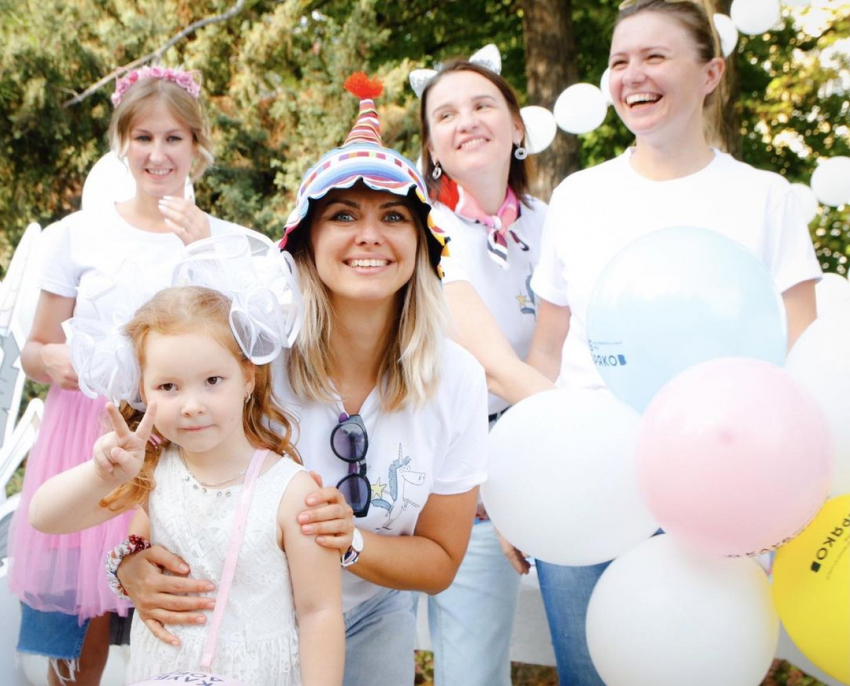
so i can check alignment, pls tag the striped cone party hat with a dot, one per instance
(363, 158)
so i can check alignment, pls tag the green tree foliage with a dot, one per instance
(794, 110)
(272, 83)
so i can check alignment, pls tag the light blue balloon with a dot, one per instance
(676, 297)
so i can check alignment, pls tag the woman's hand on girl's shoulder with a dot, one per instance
(120, 454)
(328, 517)
(185, 219)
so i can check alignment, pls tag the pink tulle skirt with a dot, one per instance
(64, 573)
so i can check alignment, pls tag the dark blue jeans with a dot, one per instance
(566, 594)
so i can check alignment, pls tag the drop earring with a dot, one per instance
(520, 153)
(438, 171)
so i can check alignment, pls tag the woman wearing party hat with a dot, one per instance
(391, 414)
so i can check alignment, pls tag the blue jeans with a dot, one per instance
(54, 634)
(566, 594)
(471, 621)
(380, 634)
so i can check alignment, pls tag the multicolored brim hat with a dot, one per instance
(363, 158)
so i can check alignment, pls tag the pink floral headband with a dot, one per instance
(184, 79)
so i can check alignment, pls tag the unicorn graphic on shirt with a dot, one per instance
(527, 301)
(400, 477)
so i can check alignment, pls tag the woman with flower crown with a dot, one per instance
(99, 265)
(390, 413)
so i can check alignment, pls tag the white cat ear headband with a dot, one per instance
(487, 57)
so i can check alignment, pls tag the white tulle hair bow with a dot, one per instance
(265, 312)
(104, 359)
(488, 57)
(261, 281)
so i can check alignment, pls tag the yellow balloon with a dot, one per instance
(811, 586)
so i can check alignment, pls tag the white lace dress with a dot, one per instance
(258, 640)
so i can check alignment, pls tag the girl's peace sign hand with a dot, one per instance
(120, 454)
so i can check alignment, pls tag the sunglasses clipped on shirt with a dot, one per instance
(349, 442)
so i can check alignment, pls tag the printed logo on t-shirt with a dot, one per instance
(400, 490)
(527, 301)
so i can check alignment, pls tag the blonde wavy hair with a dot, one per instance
(182, 106)
(410, 365)
(192, 309)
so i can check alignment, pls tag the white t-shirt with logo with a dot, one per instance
(440, 448)
(108, 265)
(597, 212)
(507, 292)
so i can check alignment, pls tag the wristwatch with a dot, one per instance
(353, 553)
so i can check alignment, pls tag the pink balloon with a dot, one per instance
(734, 458)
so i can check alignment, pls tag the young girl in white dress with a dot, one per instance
(209, 409)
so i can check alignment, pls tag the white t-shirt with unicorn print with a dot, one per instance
(440, 448)
(507, 292)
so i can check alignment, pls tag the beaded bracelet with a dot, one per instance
(133, 544)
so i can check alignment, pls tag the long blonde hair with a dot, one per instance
(184, 107)
(409, 370)
(190, 309)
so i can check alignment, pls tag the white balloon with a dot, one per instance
(727, 32)
(755, 16)
(540, 128)
(108, 182)
(662, 615)
(580, 108)
(808, 200)
(605, 86)
(819, 361)
(562, 478)
(831, 181)
(833, 296)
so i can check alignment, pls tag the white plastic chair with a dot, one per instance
(18, 298)
(17, 446)
(10, 618)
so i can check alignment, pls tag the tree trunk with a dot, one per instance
(551, 65)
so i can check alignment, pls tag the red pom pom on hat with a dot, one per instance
(363, 87)
(367, 128)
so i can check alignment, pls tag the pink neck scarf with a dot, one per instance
(498, 225)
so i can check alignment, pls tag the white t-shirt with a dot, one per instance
(105, 263)
(506, 292)
(596, 212)
(438, 448)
